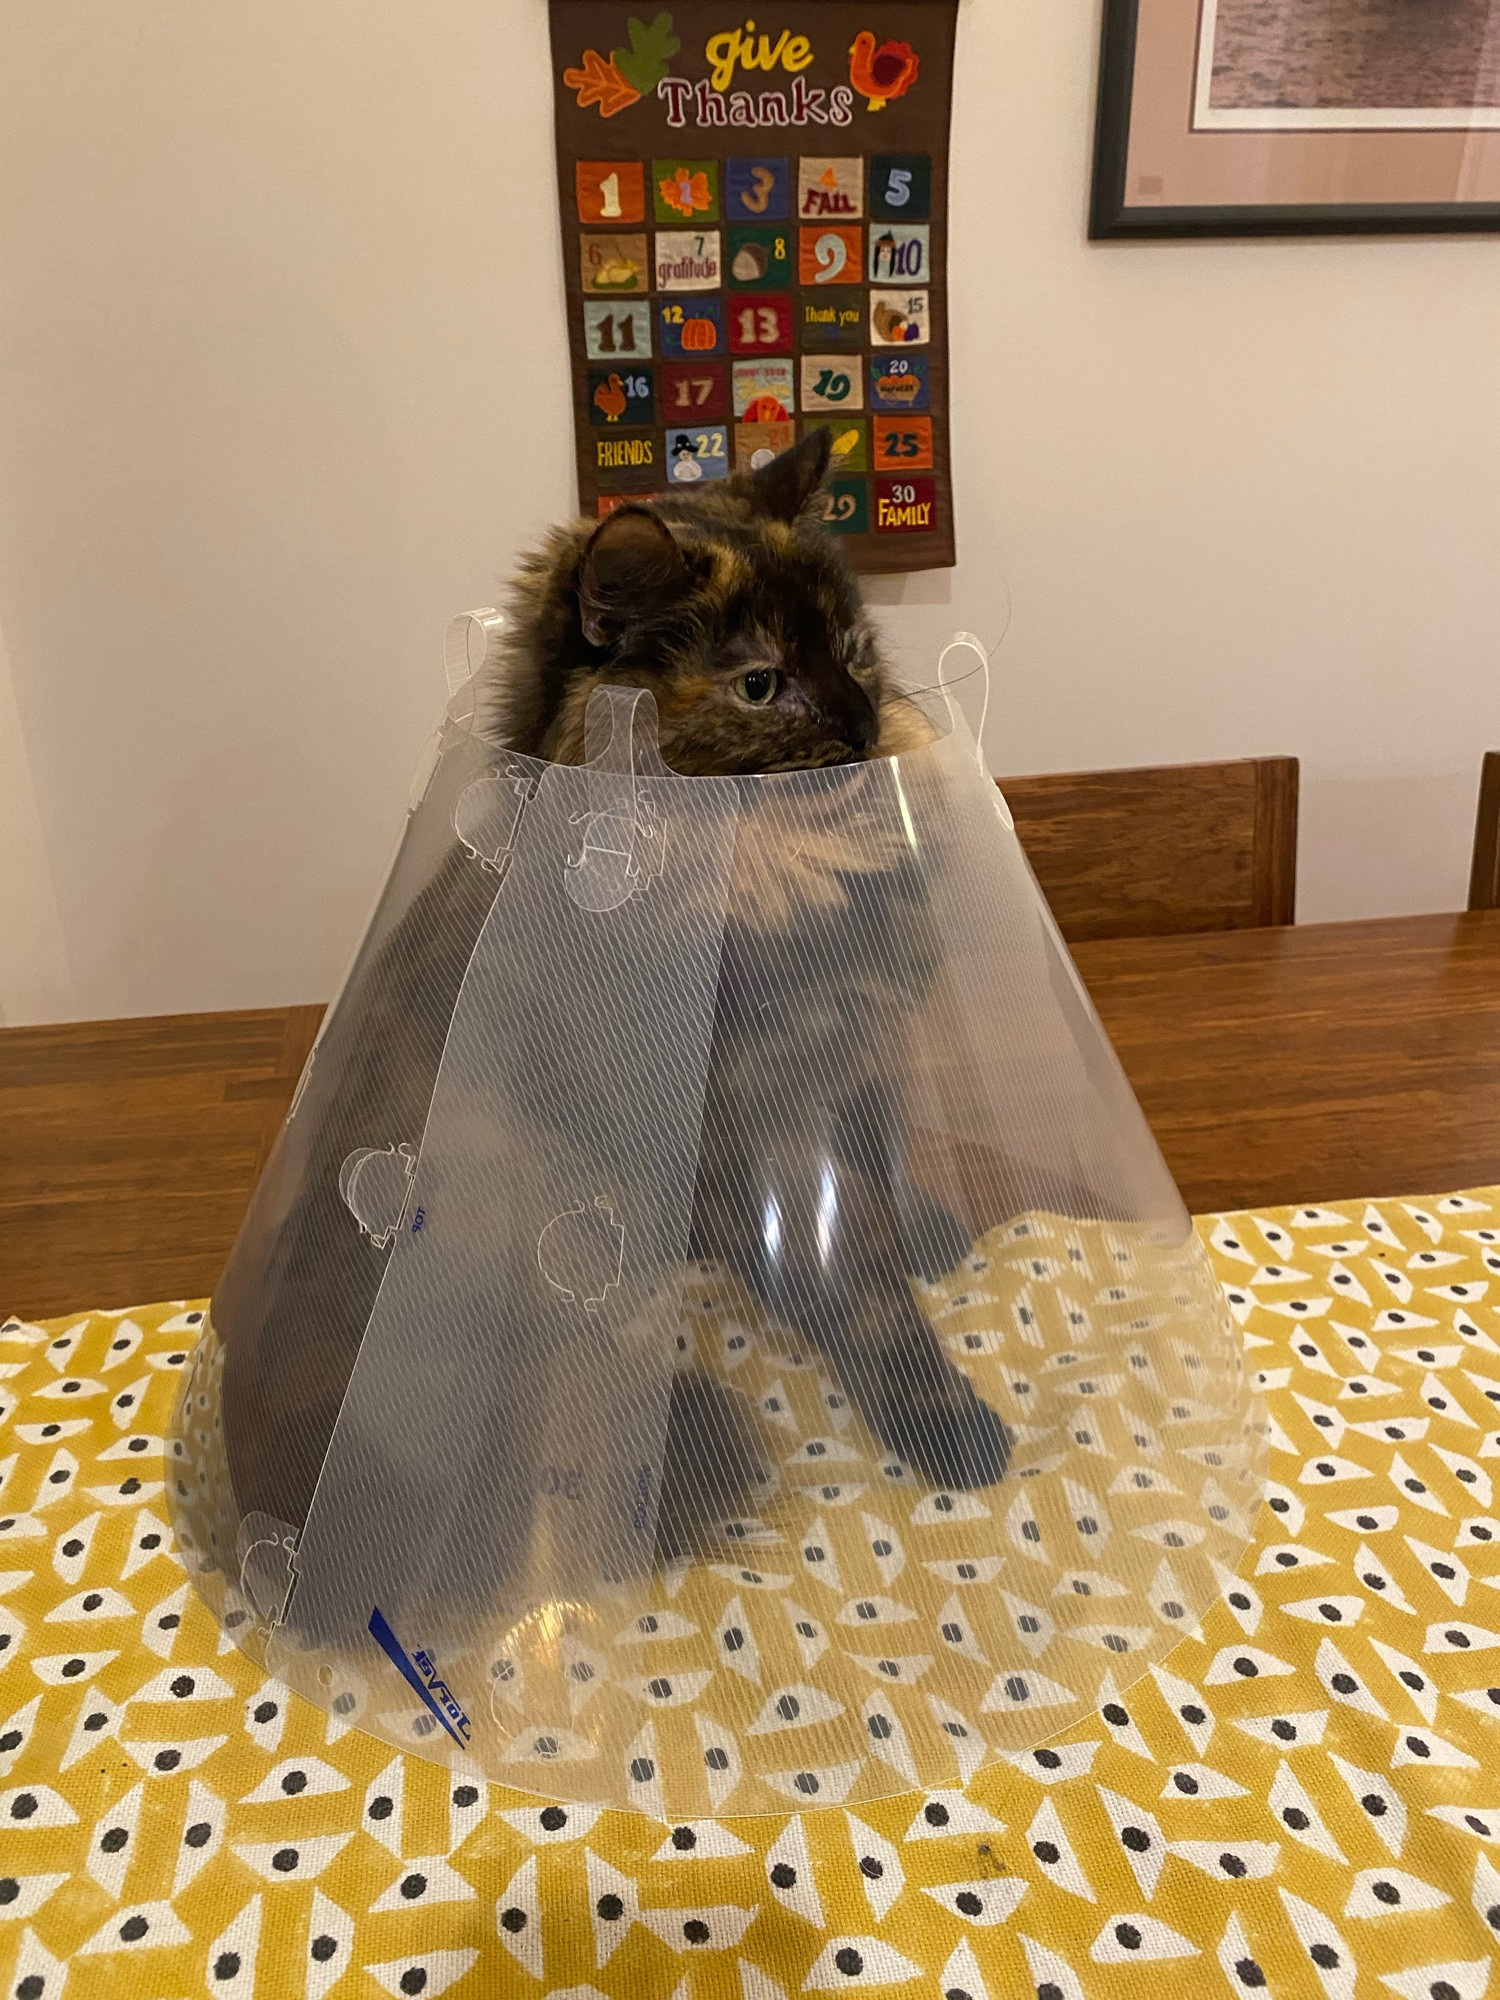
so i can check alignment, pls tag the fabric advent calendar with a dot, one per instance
(754, 219)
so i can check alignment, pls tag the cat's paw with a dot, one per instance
(712, 1463)
(956, 1444)
(932, 1418)
(933, 1240)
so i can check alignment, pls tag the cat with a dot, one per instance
(734, 609)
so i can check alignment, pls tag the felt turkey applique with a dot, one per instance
(610, 398)
(879, 74)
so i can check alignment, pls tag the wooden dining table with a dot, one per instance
(1306, 1063)
(1316, 1062)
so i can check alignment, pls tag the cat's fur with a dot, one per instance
(683, 596)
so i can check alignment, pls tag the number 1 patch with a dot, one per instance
(610, 191)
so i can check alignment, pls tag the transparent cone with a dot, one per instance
(715, 1333)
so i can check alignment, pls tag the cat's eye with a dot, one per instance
(759, 686)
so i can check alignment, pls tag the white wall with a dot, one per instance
(283, 383)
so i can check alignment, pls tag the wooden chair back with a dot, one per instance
(1484, 874)
(1164, 849)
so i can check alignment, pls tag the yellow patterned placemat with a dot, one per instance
(1304, 1799)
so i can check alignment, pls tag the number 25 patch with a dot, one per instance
(903, 444)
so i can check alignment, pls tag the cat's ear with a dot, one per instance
(631, 568)
(783, 487)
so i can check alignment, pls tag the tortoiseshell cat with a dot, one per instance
(734, 609)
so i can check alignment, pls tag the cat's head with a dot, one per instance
(731, 605)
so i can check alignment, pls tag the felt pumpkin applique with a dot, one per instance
(879, 74)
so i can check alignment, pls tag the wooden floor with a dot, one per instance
(1317, 1063)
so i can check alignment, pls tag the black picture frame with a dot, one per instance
(1113, 219)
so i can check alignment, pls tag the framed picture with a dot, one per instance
(1297, 117)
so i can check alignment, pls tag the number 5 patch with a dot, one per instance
(831, 383)
(901, 187)
(903, 444)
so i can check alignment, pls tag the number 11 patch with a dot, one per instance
(617, 327)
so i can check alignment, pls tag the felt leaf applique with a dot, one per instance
(685, 191)
(599, 82)
(649, 57)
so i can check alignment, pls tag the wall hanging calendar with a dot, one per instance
(754, 218)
